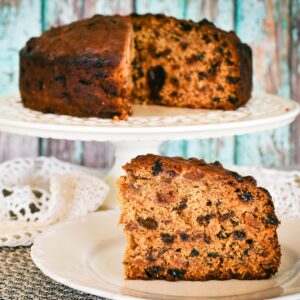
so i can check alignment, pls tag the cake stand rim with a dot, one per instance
(114, 133)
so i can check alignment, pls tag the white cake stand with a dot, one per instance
(148, 127)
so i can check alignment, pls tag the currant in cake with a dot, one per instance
(185, 219)
(98, 66)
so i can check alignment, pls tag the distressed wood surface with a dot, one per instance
(294, 63)
(121, 7)
(12, 24)
(264, 26)
(272, 28)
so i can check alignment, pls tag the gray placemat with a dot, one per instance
(21, 279)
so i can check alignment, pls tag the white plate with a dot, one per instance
(86, 254)
(151, 122)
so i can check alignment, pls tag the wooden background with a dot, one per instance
(271, 27)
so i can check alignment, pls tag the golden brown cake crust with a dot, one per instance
(81, 69)
(188, 220)
(95, 67)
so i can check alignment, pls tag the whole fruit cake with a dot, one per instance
(185, 219)
(98, 66)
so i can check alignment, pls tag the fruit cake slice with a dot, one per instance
(185, 219)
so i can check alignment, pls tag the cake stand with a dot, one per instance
(148, 126)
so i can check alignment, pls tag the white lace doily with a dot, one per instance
(283, 186)
(38, 192)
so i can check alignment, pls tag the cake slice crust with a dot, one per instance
(188, 220)
(80, 69)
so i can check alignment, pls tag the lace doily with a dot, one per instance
(38, 192)
(283, 186)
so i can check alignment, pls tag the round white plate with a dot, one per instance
(86, 254)
(151, 122)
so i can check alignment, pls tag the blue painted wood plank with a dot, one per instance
(295, 74)
(264, 25)
(121, 7)
(174, 8)
(15, 29)
(221, 12)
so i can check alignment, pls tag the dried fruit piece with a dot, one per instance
(232, 79)
(272, 219)
(181, 206)
(153, 271)
(246, 196)
(232, 100)
(167, 238)
(229, 62)
(208, 203)
(213, 254)
(226, 216)
(148, 223)
(194, 253)
(61, 79)
(185, 26)
(202, 75)
(249, 242)
(84, 81)
(216, 99)
(205, 219)
(174, 81)
(207, 239)
(239, 235)
(157, 168)
(184, 236)
(237, 176)
(184, 45)
(206, 38)
(156, 77)
(176, 273)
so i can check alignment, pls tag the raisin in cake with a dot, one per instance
(185, 219)
(96, 67)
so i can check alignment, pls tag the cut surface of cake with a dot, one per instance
(96, 67)
(185, 219)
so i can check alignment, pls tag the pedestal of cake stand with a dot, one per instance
(124, 152)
